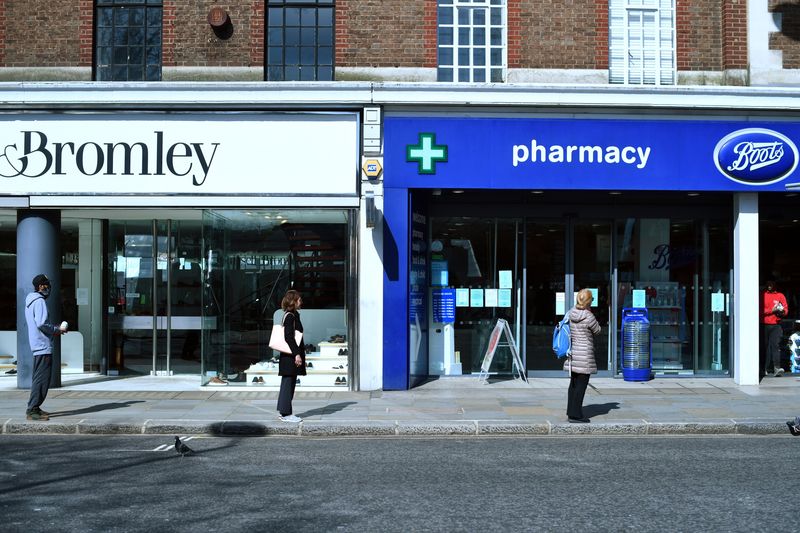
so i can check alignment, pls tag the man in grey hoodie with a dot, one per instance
(40, 337)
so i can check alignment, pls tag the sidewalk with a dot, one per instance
(450, 406)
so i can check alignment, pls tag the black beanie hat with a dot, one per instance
(40, 279)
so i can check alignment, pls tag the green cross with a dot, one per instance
(427, 153)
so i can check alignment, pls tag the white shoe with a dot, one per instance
(290, 418)
(778, 372)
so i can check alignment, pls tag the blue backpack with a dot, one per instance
(562, 344)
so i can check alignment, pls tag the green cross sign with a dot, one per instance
(427, 153)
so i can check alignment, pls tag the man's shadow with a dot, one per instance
(597, 409)
(95, 408)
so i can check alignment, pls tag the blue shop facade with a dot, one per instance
(493, 216)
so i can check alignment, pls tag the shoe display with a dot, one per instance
(338, 381)
(260, 380)
(297, 382)
(778, 372)
(345, 352)
(290, 418)
(309, 364)
(12, 371)
(255, 379)
(216, 382)
(341, 351)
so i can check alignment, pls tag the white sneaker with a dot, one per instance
(778, 372)
(290, 418)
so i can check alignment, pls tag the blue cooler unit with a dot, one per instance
(637, 360)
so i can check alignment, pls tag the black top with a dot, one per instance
(286, 366)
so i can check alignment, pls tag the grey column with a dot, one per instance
(38, 252)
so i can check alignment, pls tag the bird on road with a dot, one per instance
(182, 448)
(794, 427)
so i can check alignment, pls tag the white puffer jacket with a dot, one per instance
(583, 327)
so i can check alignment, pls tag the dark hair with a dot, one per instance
(290, 299)
(40, 279)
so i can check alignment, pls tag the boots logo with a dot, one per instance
(756, 156)
(34, 155)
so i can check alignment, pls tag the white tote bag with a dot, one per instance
(277, 340)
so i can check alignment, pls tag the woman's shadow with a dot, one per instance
(597, 409)
(95, 408)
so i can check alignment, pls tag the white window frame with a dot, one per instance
(643, 54)
(487, 5)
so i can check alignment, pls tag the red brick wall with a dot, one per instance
(3, 33)
(86, 32)
(195, 43)
(386, 33)
(168, 22)
(788, 40)
(734, 20)
(558, 36)
(601, 34)
(42, 33)
(257, 33)
(700, 35)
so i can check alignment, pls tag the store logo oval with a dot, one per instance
(756, 156)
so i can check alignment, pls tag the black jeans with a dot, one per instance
(40, 382)
(772, 337)
(286, 394)
(575, 394)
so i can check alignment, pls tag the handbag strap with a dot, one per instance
(283, 320)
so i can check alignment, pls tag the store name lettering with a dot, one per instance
(39, 156)
(540, 153)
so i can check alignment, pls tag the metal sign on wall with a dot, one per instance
(586, 153)
(196, 154)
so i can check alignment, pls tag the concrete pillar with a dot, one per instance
(38, 252)
(746, 316)
(370, 292)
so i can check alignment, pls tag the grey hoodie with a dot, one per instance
(40, 331)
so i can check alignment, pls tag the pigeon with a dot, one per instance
(794, 427)
(182, 448)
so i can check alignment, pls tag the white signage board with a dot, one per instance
(193, 154)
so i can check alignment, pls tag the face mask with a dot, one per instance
(45, 292)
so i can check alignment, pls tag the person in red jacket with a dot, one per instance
(773, 309)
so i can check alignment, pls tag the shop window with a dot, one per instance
(127, 43)
(642, 42)
(299, 40)
(251, 258)
(471, 41)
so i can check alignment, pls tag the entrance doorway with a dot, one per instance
(154, 291)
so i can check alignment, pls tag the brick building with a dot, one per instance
(703, 42)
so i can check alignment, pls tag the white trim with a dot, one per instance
(193, 201)
(746, 305)
(386, 74)
(550, 75)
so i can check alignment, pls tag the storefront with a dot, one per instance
(171, 238)
(499, 216)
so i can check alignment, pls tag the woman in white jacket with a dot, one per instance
(580, 363)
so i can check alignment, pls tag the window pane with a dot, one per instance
(497, 57)
(292, 55)
(121, 16)
(325, 55)
(154, 17)
(275, 36)
(137, 17)
(463, 36)
(292, 73)
(105, 36)
(275, 55)
(325, 36)
(479, 57)
(463, 56)
(463, 74)
(497, 16)
(154, 73)
(119, 73)
(136, 55)
(308, 74)
(292, 36)
(325, 74)
(445, 56)
(275, 16)
(479, 17)
(153, 55)
(497, 75)
(497, 37)
(308, 55)
(135, 73)
(104, 55)
(308, 17)
(479, 37)
(479, 75)
(445, 15)
(275, 74)
(308, 36)
(120, 35)
(105, 17)
(136, 36)
(325, 17)
(445, 74)
(445, 35)
(292, 15)
(463, 16)
(120, 55)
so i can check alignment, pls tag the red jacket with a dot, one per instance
(769, 300)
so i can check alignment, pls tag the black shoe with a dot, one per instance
(12, 371)
(345, 352)
(339, 382)
(309, 365)
(793, 429)
(341, 351)
(297, 381)
(578, 420)
(255, 379)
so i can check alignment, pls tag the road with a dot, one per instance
(137, 483)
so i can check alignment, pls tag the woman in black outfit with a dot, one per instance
(294, 364)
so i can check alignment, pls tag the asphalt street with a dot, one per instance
(139, 483)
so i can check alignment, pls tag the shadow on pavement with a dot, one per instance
(596, 409)
(327, 410)
(95, 408)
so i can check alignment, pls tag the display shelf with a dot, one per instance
(327, 349)
(325, 372)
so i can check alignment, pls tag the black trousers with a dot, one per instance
(286, 394)
(40, 382)
(772, 337)
(575, 394)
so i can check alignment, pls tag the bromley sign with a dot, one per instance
(209, 154)
(34, 155)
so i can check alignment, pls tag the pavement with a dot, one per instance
(461, 406)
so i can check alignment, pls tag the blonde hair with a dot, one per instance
(290, 299)
(584, 298)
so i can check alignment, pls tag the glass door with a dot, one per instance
(154, 297)
(561, 258)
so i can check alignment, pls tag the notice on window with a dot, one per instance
(504, 298)
(594, 297)
(82, 296)
(476, 297)
(491, 298)
(638, 298)
(561, 299)
(717, 302)
(462, 297)
(505, 279)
